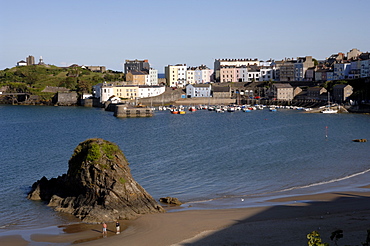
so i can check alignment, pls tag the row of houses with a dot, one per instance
(277, 91)
(117, 91)
(354, 64)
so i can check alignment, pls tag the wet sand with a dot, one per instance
(286, 224)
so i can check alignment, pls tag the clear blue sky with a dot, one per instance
(195, 32)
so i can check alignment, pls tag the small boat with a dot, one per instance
(192, 109)
(230, 109)
(329, 111)
(174, 111)
(182, 112)
(272, 109)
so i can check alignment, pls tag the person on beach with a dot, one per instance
(104, 229)
(117, 227)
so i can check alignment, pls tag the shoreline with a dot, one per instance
(284, 219)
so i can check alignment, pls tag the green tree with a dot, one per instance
(84, 86)
(71, 83)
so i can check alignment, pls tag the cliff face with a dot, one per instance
(97, 187)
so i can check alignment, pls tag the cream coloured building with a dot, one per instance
(126, 91)
(176, 75)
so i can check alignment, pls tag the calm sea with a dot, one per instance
(205, 159)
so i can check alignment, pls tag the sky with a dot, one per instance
(167, 32)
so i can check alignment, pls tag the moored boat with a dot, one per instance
(192, 109)
(329, 111)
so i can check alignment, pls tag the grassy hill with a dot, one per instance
(33, 79)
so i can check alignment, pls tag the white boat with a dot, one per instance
(231, 109)
(329, 111)
(272, 109)
(219, 110)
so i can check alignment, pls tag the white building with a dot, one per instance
(21, 63)
(203, 74)
(242, 74)
(153, 77)
(253, 74)
(103, 91)
(150, 91)
(198, 90)
(267, 74)
(190, 75)
(341, 70)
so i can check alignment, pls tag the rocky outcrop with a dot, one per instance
(170, 200)
(362, 140)
(97, 187)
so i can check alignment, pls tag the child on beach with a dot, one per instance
(117, 227)
(104, 229)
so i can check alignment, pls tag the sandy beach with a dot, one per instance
(286, 224)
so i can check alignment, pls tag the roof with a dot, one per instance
(315, 88)
(134, 72)
(340, 86)
(281, 85)
(221, 89)
(201, 85)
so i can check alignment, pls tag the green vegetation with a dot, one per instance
(33, 79)
(109, 150)
(122, 180)
(314, 238)
(93, 152)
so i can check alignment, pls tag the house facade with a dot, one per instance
(136, 65)
(176, 75)
(21, 63)
(137, 77)
(282, 91)
(150, 91)
(153, 77)
(315, 92)
(287, 71)
(203, 74)
(341, 71)
(126, 91)
(300, 67)
(342, 92)
(190, 75)
(221, 92)
(198, 90)
(104, 91)
(231, 63)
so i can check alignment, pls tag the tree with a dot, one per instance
(31, 75)
(84, 86)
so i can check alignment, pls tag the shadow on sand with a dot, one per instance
(290, 224)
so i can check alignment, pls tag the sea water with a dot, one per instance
(205, 159)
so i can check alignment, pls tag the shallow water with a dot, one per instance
(199, 156)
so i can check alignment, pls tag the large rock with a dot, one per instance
(97, 187)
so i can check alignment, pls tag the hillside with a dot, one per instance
(34, 79)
